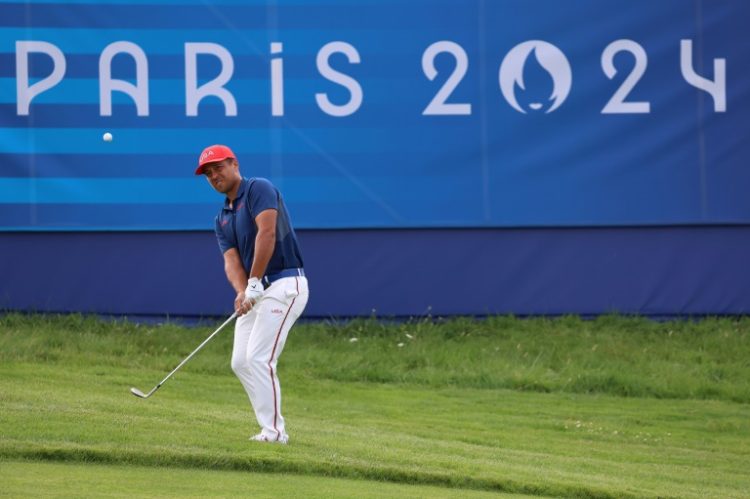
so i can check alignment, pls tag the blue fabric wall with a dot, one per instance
(652, 271)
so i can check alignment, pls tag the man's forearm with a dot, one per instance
(236, 275)
(264, 245)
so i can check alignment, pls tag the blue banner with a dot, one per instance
(410, 113)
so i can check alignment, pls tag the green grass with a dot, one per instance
(47, 479)
(615, 407)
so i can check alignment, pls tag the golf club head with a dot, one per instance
(138, 393)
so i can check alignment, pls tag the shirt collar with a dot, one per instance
(240, 193)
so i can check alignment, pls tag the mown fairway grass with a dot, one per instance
(47, 479)
(615, 407)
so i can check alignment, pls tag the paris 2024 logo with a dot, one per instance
(549, 58)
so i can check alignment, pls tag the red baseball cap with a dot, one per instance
(213, 154)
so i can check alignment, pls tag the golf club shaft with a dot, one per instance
(231, 317)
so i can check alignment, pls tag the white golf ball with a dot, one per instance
(107, 137)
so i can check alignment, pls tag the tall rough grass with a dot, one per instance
(624, 356)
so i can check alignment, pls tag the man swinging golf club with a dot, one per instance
(263, 264)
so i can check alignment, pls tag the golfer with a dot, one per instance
(264, 266)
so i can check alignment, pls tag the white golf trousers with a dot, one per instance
(259, 338)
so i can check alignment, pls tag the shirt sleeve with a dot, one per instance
(224, 242)
(263, 196)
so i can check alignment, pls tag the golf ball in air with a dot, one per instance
(107, 137)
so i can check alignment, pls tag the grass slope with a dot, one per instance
(615, 407)
(53, 480)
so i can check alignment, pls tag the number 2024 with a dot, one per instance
(617, 104)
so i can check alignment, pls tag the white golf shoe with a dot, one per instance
(283, 439)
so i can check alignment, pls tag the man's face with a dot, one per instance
(222, 175)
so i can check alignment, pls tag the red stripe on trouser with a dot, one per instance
(270, 369)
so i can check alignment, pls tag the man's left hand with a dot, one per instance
(253, 292)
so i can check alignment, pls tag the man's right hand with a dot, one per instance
(239, 304)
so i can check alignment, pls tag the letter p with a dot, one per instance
(24, 92)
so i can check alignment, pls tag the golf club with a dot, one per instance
(138, 393)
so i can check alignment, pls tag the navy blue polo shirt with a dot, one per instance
(235, 226)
